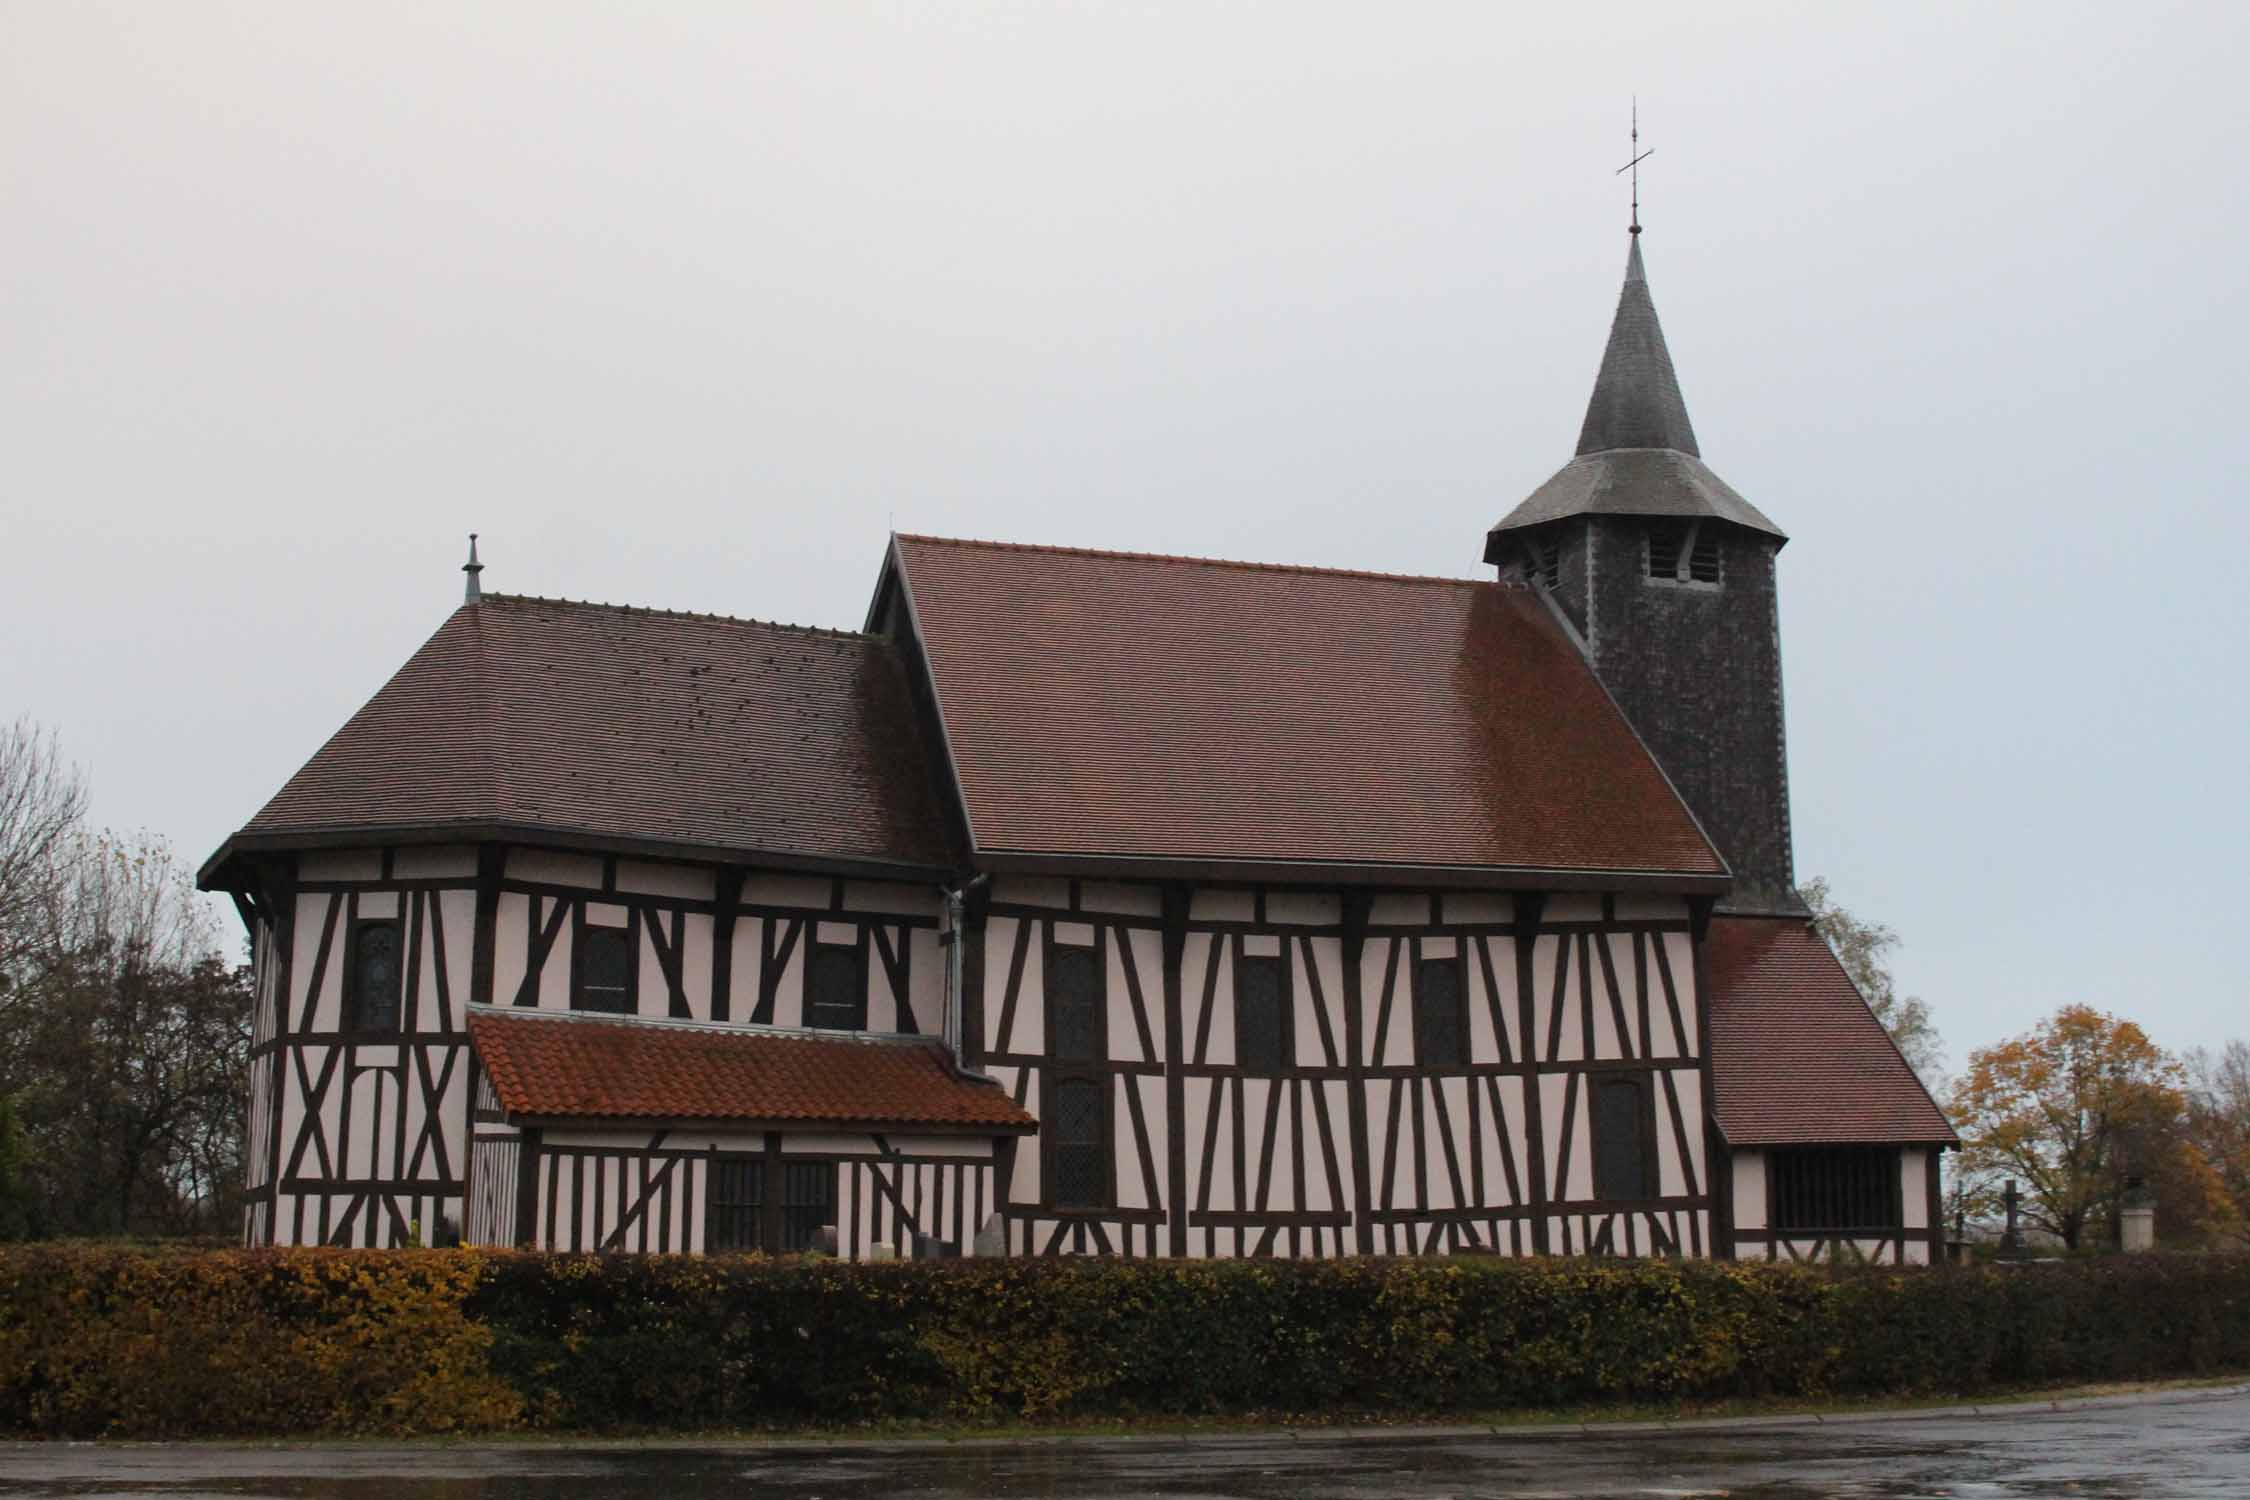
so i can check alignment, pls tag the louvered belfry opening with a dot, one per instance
(1836, 1188)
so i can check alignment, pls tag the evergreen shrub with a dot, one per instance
(103, 1341)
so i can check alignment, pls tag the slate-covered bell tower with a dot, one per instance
(1667, 575)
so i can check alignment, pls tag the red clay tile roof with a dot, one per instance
(1797, 1058)
(1164, 708)
(556, 1067)
(635, 724)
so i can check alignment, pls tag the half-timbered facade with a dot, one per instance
(1095, 903)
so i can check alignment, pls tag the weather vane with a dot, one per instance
(1634, 166)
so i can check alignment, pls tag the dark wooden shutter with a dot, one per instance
(1621, 1139)
(835, 988)
(605, 971)
(1438, 1042)
(1261, 1021)
(1665, 541)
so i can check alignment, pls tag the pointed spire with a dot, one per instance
(473, 590)
(1636, 401)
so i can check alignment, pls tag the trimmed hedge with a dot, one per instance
(120, 1342)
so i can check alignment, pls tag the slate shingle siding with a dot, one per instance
(1698, 672)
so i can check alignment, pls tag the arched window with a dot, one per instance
(1621, 1139)
(375, 975)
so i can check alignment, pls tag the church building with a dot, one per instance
(1095, 902)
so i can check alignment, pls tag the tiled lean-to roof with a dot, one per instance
(1797, 1058)
(1134, 708)
(591, 719)
(570, 1067)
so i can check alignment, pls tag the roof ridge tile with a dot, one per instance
(830, 631)
(1238, 564)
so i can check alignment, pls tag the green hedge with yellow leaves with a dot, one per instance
(139, 1343)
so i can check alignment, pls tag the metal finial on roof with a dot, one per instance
(472, 591)
(1634, 166)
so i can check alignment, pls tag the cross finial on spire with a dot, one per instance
(1634, 166)
(474, 591)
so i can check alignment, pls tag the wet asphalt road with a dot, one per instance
(2182, 1446)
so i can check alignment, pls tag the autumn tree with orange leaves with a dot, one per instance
(2074, 1108)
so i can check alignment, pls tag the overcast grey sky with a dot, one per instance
(687, 305)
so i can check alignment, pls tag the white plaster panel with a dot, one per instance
(682, 882)
(1917, 1253)
(1393, 1043)
(1643, 908)
(1261, 945)
(1259, 1153)
(1124, 1030)
(1476, 907)
(1574, 906)
(1321, 1192)
(1749, 1189)
(925, 979)
(1220, 906)
(1398, 909)
(1121, 899)
(654, 997)
(1126, 1164)
(892, 897)
(801, 892)
(882, 1000)
(434, 862)
(999, 948)
(1401, 1194)
(743, 960)
(378, 904)
(1222, 1007)
(1688, 1084)
(554, 974)
(1914, 1182)
(1607, 1042)
(1679, 952)
(1031, 999)
(1076, 934)
(1619, 946)
(695, 964)
(1449, 1097)
(341, 864)
(1033, 890)
(1503, 1138)
(605, 914)
(1440, 947)
(555, 867)
(1205, 1139)
(459, 910)
(1304, 908)
(1575, 1177)
(509, 950)
(1545, 953)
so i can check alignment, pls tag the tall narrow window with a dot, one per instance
(1261, 1015)
(1703, 556)
(836, 988)
(1074, 1003)
(1438, 1019)
(375, 973)
(1621, 1139)
(735, 1204)
(808, 1202)
(605, 971)
(1078, 1146)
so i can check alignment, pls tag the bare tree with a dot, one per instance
(42, 813)
(1864, 949)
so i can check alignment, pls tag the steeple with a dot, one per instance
(473, 590)
(1637, 401)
